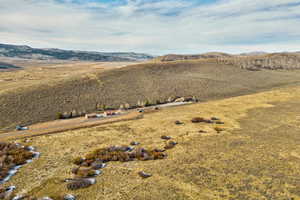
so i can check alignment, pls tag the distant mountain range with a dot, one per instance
(26, 52)
(254, 53)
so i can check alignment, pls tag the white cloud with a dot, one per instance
(159, 27)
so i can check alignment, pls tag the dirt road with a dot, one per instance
(66, 125)
(62, 125)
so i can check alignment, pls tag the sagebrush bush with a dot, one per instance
(219, 129)
(78, 160)
(197, 119)
(11, 156)
(78, 184)
(170, 145)
(148, 103)
(93, 161)
(59, 115)
(201, 119)
(120, 153)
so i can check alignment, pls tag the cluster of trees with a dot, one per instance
(69, 115)
(140, 104)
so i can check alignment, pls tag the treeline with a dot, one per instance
(139, 104)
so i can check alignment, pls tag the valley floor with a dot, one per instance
(256, 157)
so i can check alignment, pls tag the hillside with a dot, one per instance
(42, 72)
(274, 61)
(178, 57)
(250, 61)
(7, 66)
(27, 52)
(255, 157)
(204, 79)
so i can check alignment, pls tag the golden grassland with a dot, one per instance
(256, 157)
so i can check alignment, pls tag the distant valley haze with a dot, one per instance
(155, 27)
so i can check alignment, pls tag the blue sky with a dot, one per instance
(153, 26)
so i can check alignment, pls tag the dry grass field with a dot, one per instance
(38, 72)
(256, 157)
(30, 97)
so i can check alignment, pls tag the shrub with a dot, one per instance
(170, 145)
(219, 129)
(20, 159)
(101, 107)
(59, 115)
(158, 155)
(134, 143)
(83, 183)
(11, 156)
(91, 156)
(147, 103)
(164, 137)
(97, 165)
(56, 197)
(177, 122)
(197, 119)
(144, 174)
(215, 118)
(84, 173)
(78, 161)
(201, 119)
(122, 154)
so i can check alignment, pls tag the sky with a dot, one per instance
(153, 26)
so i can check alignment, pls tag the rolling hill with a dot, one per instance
(255, 157)
(177, 57)
(274, 61)
(26, 52)
(205, 79)
(251, 61)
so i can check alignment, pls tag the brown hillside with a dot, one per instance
(154, 81)
(250, 61)
(275, 61)
(255, 157)
(177, 57)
